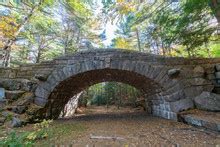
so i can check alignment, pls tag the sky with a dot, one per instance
(109, 27)
(110, 33)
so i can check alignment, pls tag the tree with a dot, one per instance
(44, 30)
(27, 8)
(215, 5)
(187, 23)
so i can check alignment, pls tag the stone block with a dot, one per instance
(17, 84)
(198, 71)
(67, 71)
(193, 121)
(175, 96)
(216, 90)
(16, 122)
(210, 125)
(41, 92)
(173, 89)
(13, 95)
(41, 77)
(24, 100)
(12, 75)
(46, 85)
(217, 67)
(208, 101)
(211, 76)
(169, 115)
(2, 120)
(164, 80)
(183, 104)
(3, 103)
(173, 116)
(156, 102)
(19, 109)
(126, 65)
(51, 82)
(2, 93)
(192, 92)
(40, 101)
(218, 126)
(173, 72)
(217, 75)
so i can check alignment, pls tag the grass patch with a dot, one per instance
(45, 134)
(62, 133)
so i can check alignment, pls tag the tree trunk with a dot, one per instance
(38, 55)
(138, 40)
(208, 50)
(188, 51)
(163, 49)
(10, 42)
(6, 59)
(215, 4)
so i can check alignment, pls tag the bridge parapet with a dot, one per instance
(45, 68)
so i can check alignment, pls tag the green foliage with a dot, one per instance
(164, 26)
(15, 140)
(41, 131)
(187, 25)
(9, 117)
(27, 139)
(111, 93)
(215, 49)
(43, 31)
(98, 100)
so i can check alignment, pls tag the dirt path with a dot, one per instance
(133, 129)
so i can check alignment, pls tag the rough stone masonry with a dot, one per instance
(169, 84)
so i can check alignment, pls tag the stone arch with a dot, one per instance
(153, 80)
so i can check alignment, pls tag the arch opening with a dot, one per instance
(105, 98)
(73, 85)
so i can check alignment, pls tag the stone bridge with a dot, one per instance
(169, 84)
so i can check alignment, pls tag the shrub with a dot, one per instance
(27, 139)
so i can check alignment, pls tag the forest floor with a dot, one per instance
(124, 127)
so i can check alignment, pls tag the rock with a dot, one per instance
(17, 84)
(2, 93)
(3, 103)
(16, 122)
(12, 75)
(5, 114)
(34, 112)
(183, 104)
(41, 77)
(217, 67)
(193, 121)
(2, 120)
(24, 100)
(14, 95)
(140, 103)
(198, 71)
(208, 101)
(19, 109)
(32, 109)
(218, 81)
(217, 75)
(173, 72)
